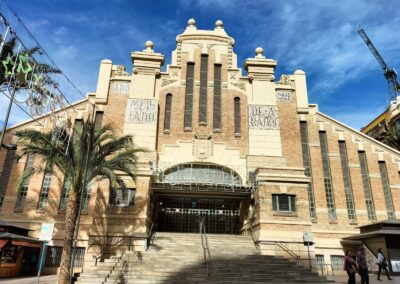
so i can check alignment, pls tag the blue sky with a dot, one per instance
(319, 37)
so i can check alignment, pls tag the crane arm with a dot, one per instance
(374, 51)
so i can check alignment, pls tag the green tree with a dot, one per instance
(392, 138)
(94, 154)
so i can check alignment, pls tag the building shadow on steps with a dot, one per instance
(244, 269)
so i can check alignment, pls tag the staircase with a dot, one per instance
(178, 258)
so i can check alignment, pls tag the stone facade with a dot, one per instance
(267, 154)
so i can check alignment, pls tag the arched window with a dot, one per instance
(237, 115)
(201, 174)
(167, 117)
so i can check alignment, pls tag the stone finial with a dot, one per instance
(192, 23)
(219, 24)
(259, 52)
(149, 46)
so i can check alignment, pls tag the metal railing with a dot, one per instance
(287, 250)
(152, 235)
(204, 243)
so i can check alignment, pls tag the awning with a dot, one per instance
(382, 232)
(3, 243)
(15, 237)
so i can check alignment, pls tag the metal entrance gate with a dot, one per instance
(181, 214)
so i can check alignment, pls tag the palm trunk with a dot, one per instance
(70, 222)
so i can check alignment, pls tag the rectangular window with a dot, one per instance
(283, 203)
(351, 213)
(65, 196)
(86, 198)
(23, 190)
(320, 259)
(77, 129)
(44, 192)
(122, 197)
(189, 95)
(330, 201)
(307, 166)
(203, 89)
(367, 186)
(6, 173)
(237, 116)
(337, 262)
(167, 116)
(217, 98)
(53, 256)
(98, 121)
(386, 190)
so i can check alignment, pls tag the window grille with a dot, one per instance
(237, 115)
(367, 186)
(307, 165)
(217, 97)
(65, 195)
(203, 89)
(6, 173)
(167, 117)
(337, 262)
(327, 176)
(44, 192)
(386, 190)
(189, 95)
(122, 197)
(54, 253)
(23, 191)
(283, 203)
(86, 197)
(320, 259)
(351, 213)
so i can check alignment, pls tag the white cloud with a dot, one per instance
(66, 52)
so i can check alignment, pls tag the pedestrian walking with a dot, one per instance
(351, 267)
(382, 264)
(362, 265)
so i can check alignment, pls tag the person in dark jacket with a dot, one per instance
(350, 266)
(362, 265)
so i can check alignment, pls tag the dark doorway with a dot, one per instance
(30, 260)
(181, 214)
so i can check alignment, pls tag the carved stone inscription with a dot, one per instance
(263, 117)
(142, 111)
(120, 88)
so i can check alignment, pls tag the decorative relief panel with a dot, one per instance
(395, 186)
(240, 85)
(354, 165)
(166, 82)
(284, 97)
(203, 146)
(373, 175)
(263, 117)
(142, 111)
(120, 88)
(314, 144)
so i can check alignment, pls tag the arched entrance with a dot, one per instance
(188, 191)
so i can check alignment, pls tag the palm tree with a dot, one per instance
(94, 154)
(392, 138)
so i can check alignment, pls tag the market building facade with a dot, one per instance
(243, 149)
